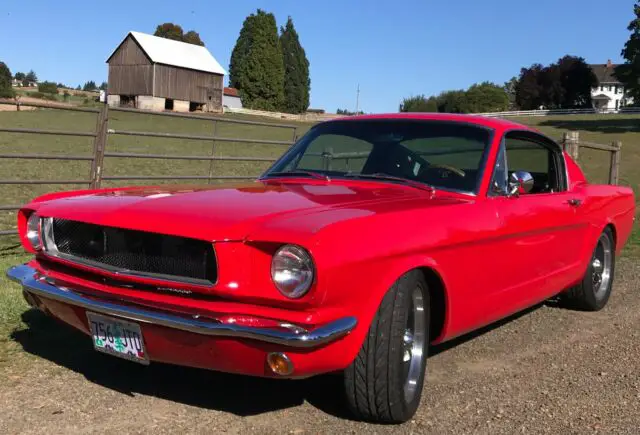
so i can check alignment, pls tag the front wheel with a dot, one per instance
(593, 292)
(384, 383)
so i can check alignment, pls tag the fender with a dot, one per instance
(393, 269)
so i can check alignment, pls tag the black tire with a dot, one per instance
(587, 295)
(375, 381)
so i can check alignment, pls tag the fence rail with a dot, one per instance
(571, 143)
(99, 150)
(515, 113)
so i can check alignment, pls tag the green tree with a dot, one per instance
(629, 72)
(257, 66)
(510, 89)
(297, 84)
(48, 88)
(31, 76)
(576, 79)
(486, 97)
(529, 89)
(192, 37)
(419, 103)
(103, 86)
(89, 86)
(169, 31)
(453, 102)
(175, 32)
(20, 76)
(6, 91)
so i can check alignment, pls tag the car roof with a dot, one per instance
(484, 121)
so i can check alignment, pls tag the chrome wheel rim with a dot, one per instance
(601, 266)
(413, 343)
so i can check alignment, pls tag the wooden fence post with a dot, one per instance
(574, 140)
(99, 144)
(614, 168)
(213, 149)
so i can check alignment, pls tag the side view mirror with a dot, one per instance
(520, 182)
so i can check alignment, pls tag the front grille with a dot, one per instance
(133, 252)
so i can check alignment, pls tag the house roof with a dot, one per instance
(604, 72)
(176, 53)
(231, 92)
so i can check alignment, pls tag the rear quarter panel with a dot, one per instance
(607, 205)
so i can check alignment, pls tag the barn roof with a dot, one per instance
(176, 53)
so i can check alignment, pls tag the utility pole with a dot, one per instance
(358, 99)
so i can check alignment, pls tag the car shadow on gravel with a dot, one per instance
(239, 395)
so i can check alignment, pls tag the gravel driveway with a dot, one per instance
(548, 370)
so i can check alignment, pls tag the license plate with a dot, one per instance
(117, 337)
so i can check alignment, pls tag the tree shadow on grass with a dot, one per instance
(615, 125)
(240, 395)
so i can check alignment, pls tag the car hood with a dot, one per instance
(228, 212)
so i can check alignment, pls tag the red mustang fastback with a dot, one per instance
(370, 239)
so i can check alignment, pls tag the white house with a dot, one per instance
(609, 94)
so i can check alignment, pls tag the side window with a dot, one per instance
(541, 162)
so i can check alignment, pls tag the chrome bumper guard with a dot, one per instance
(34, 283)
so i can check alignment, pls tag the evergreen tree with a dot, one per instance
(629, 72)
(297, 84)
(31, 76)
(257, 67)
(6, 91)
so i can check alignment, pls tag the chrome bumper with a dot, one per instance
(34, 283)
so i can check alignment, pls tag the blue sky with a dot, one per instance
(393, 49)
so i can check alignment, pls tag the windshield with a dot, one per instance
(445, 155)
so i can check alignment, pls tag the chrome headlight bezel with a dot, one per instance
(34, 231)
(292, 271)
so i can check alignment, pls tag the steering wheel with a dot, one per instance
(459, 172)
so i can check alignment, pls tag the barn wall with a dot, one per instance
(130, 70)
(188, 85)
(129, 53)
(131, 79)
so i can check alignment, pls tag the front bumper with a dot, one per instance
(191, 341)
(34, 282)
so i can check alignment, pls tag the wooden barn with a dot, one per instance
(152, 73)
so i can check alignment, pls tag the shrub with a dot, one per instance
(7, 93)
(42, 96)
(47, 88)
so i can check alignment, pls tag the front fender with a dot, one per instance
(367, 285)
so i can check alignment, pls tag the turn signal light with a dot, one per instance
(280, 364)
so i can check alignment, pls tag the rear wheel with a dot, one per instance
(593, 292)
(384, 383)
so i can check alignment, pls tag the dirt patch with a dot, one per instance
(548, 370)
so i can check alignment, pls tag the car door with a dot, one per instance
(542, 231)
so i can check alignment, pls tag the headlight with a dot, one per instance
(292, 271)
(33, 231)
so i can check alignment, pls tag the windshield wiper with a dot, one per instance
(387, 177)
(297, 172)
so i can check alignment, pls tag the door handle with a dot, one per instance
(574, 202)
